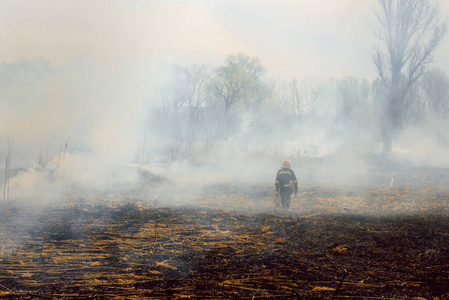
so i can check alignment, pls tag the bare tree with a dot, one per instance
(410, 31)
(308, 94)
(281, 95)
(296, 101)
(287, 97)
(178, 115)
(197, 76)
(436, 87)
(352, 94)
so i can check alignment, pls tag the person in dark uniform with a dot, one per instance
(286, 183)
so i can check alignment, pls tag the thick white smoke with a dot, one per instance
(83, 121)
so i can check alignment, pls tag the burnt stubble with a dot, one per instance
(230, 242)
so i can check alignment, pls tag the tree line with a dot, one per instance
(238, 100)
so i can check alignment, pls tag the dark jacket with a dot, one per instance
(283, 177)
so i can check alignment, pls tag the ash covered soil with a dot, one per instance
(384, 239)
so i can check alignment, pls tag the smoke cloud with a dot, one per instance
(79, 116)
(81, 120)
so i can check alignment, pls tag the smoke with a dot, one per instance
(84, 126)
(82, 120)
(80, 116)
(423, 146)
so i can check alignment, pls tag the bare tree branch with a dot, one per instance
(410, 31)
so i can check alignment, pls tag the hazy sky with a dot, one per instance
(292, 38)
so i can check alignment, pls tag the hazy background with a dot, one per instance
(80, 80)
(292, 38)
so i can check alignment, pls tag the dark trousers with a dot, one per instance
(285, 197)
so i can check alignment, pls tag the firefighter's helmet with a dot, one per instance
(286, 163)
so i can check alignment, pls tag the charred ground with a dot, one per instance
(229, 242)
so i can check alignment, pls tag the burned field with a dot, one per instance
(228, 242)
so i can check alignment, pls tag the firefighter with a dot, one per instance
(286, 183)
